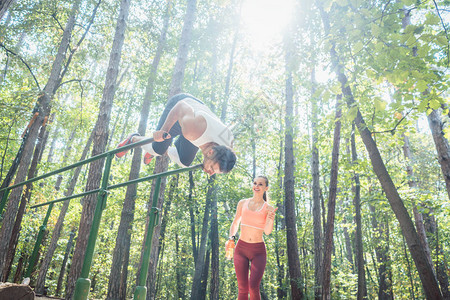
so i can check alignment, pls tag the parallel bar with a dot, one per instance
(38, 242)
(66, 198)
(140, 292)
(80, 163)
(115, 186)
(147, 178)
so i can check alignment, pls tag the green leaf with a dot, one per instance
(375, 30)
(442, 40)
(410, 29)
(421, 85)
(352, 112)
(379, 104)
(435, 104)
(422, 105)
(411, 40)
(358, 47)
(432, 19)
(422, 51)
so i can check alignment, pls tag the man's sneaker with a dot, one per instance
(147, 158)
(125, 142)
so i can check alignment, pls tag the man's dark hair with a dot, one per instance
(225, 157)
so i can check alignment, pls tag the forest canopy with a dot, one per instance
(342, 104)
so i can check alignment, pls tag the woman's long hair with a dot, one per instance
(265, 196)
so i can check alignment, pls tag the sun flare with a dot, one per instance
(264, 20)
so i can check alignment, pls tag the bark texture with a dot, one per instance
(295, 276)
(329, 231)
(99, 144)
(41, 112)
(429, 282)
(119, 268)
(40, 282)
(442, 146)
(175, 88)
(317, 220)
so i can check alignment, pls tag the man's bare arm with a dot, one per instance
(177, 113)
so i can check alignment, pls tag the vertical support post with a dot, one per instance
(140, 292)
(40, 236)
(83, 283)
(3, 202)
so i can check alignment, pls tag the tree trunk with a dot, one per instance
(317, 220)
(360, 264)
(425, 270)
(14, 239)
(40, 282)
(348, 247)
(192, 217)
(180, 269)
(199, 265)
(230, 69)
(204, 276)
(289, 188)
(175, 87)
(160, 166)
(64, 262)
(215, 262)
(440, 263)
(99, 145)
(119, 268)
(329, 230)
(413, 185)
(383, 258)
(442, 147)
(4, 5)
(41, 112)
(19, 270)
(32, 172)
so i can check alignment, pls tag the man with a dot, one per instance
(197, 127)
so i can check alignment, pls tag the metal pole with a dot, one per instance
(140, 292)
(119, 185)
(34, 255)
(80, 163)
(83, 283)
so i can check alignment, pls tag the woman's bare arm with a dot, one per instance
(237, 219)
(269, 220)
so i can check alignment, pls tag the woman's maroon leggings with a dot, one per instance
(243, 255)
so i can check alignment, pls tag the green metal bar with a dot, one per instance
(66, 198)
(83, 283)
(147, 178)
(38, 242)
(80, 163)
(115, 186)
(140, 292)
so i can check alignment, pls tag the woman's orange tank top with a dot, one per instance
(254, 219)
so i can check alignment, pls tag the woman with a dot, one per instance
(256, 217)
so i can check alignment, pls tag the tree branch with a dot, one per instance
(72, 52)
(445, 30)
(23, 61)
(75, 80)
(396, 125)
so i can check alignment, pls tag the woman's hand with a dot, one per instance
(271, 212)
(160, 135)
